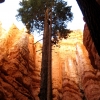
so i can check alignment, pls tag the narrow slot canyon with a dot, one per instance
(75, 66)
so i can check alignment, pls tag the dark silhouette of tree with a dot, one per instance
(45, 61)
(91, 13)
(32, 13)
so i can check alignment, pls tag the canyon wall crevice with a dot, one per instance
(74, 76)
(93, 55)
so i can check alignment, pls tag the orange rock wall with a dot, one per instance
(64, 72)
(93, 55)
(73, 75)
(89, 79)
(18, 77)
(56, 75)
(70, 85)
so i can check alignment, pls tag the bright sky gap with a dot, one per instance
(8, 10)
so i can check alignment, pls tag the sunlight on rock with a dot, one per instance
(73, 73)
(88, 80)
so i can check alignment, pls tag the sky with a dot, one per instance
(77, 22)
(8, 11)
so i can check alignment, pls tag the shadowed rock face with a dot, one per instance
(89, 79)
(93, 55)
(98, 1)
(20, 65)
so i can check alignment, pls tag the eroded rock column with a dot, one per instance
(70, 86)
(56, 75)
(89, 82)
(88, 42)
(16, 75)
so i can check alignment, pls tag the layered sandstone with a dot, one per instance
(70, 85)
(17, 63)
(91, 78)
(64, 58)
(73, 75)
(20, 64)
(88, 79)
(88, 42)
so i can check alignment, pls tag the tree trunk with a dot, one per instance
(91, 13)
(44, 67)
(49, 80)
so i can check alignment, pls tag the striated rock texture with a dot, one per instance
(20, 65)
(93, 55)
(17, 66)
(56, 75)
(73, 75)
(64, 79)
(89, 79)
(70, 85)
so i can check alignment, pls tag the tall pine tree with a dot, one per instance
(32, 13)
(50, 17)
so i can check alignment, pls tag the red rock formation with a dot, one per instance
(70, 85)
(56, 74)
(93, 55)
(37, 69)
(89, 82)
(65, 49)
(16, 66)
(20, 66)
